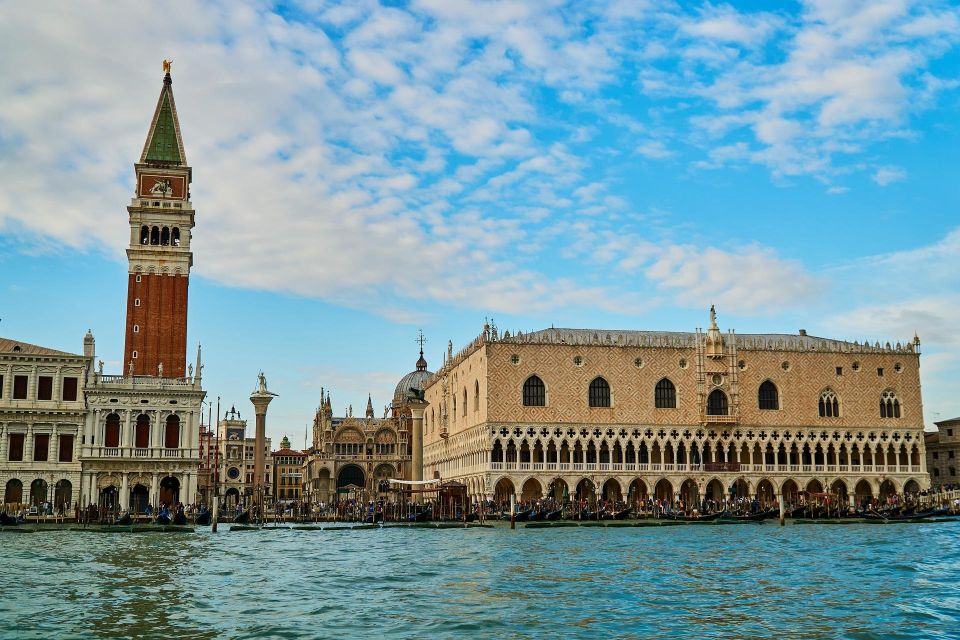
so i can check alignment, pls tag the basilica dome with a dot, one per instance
(413, 380)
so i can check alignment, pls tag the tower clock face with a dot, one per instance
(233, 473)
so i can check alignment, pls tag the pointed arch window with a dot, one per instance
(464, 401)
(717, 403)
(829, 405)
(175, 237)
(665, 395)
(476, 395)
(534, 392)
(599, 393)
(767, 397)
(155, 235)
(144, 234)
(889, 405)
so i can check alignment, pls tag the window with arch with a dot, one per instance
(717, 404)
(534, 392)
(175, 237)
(464, 402)
(767, 397)
(599, 393)
(141, 436)
(111, 431)
(665, 395)
(829, 405)
(889, 405)
(144, 234)
(454, 406)
(171, 433)
(165, 236)
(155, 235)
(476, 395)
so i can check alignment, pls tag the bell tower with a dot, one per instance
(159, 255)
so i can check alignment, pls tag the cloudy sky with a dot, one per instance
(363, 170)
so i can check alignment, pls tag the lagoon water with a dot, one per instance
(741, 581)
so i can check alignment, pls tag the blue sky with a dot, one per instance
(363, 170)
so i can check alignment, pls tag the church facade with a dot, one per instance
(358, 456)
(631, 414)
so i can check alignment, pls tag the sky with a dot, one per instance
(365, 170)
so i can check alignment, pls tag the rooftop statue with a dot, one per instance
(166, 65)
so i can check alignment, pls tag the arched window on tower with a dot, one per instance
(829, 404)
(599, 393)
(454, 406)
(767, 396)
(155, 235)
(165, 236)
(534, 392)
(889, 405)
(175, 237)
(144, 234)
(717, 403)
(665, 395)
(476, 395)
(464, 402)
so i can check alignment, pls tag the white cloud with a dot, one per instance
(837, 190)
(888, 175)
(655, 149)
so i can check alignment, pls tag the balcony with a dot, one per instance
(708, 419)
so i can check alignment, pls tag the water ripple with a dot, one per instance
(857, 582)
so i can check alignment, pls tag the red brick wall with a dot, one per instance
(162, 319)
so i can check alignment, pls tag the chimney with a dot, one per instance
(803, 332)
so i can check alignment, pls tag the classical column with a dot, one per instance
(154, 491)
(125, 489)
(28, 444)
(260, 398)
(3, 442)
(126, 438)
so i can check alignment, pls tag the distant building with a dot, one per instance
(287, 472)
(363, 452)
(631, 414)
(232, 461)
(943, 452)
(42, 412)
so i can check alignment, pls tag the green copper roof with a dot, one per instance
(163, 142)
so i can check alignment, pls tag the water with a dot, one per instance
(743, 581)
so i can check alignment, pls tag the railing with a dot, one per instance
(718, 419)
(143, 380)
(645, 467)
(111, 453)
(141, 453)
(496, 466)
(172, 453)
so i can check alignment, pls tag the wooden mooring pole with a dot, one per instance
(513, 511)
(782, 522)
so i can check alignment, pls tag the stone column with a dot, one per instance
(28, 445)
(126, 437)
(4, 436)
(125, 489)
(154, 491)
(261, 399)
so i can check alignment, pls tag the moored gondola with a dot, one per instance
(203, 518)
(6, 520)
(554, 515)
(125, 519)
(422, 516)
(242, 518)
(163, 518)
(471, 517)
(179, 518)
(706, 517)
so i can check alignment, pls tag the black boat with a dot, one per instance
(6, 520)
(748, 517)
(422, 516)
(471, 517)
(125, 519)
(554, 515)
(179, 518)
(163, 519)
(203, 518)
(706, 517)
(242, 518)
(522, 516)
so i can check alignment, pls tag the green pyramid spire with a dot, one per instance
(163, 140)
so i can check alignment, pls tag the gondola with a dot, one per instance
(914, 516)
(203, 518)
(554, 515)
(125, 519)
(706, 517)
(374, 518)
(163, 519)
(522, 516)
(748, 517)
(471, 517)
(422, 516)
(242, 518)
(179, 518)
(6, 520)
